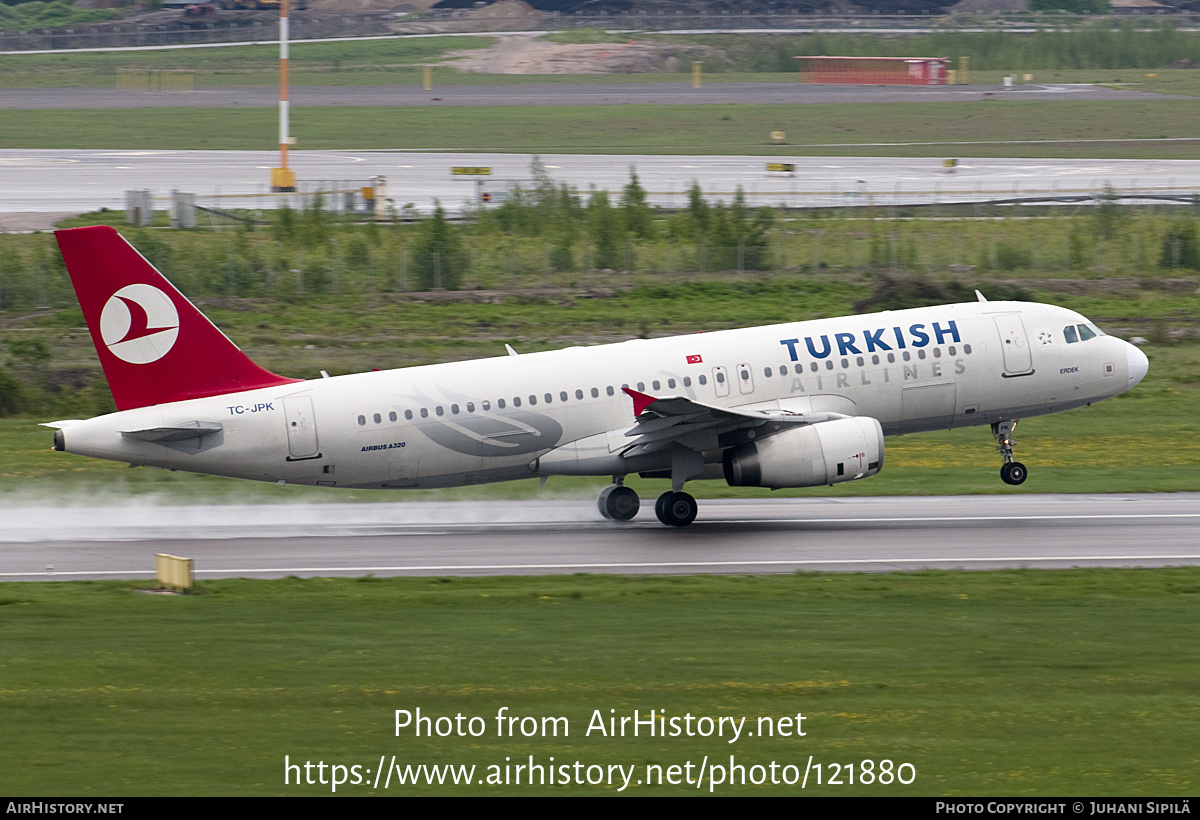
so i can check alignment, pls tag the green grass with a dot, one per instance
(1019, 683)
(345, 63)
(30, 16)
(935, 129)
(726, 57)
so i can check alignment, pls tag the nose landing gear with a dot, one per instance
(1013, 472)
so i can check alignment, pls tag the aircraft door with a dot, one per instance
(720, 381)
(1018, 360)
(745, 377)
(301, 428)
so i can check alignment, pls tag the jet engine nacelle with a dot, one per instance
(826, 453)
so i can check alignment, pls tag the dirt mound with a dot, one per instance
(529, 54)
(508, 11)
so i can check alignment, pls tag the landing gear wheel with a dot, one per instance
(618, 503)
(675, 509)
(1013, 473)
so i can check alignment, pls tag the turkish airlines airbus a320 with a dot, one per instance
(792, 405)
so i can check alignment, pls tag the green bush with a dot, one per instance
(438, 259)
(1180, 248)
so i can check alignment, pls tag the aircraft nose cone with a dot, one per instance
(1138, 364)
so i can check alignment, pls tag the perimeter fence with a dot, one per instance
(314, 249)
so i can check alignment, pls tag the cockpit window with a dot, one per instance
(1081, 333)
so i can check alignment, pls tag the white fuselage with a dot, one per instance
(491, 420)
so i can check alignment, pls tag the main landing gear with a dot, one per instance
(675, 509)
(620, 503)
(1013, 472)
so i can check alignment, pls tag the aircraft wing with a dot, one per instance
(662, 422)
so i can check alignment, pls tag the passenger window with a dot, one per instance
(687, 381)
(703, 380)
(829, 364)
(641, 387)
(549, 398)
(408, 415)
(500, 403)
(967, 350)
(486, 405)
(767, 372)
(845, 363)
(875, 359)
(859, 360)
(952, 351)
(656, 384)
(937, 353)
(440, 410)
(609, 390)
(595, 393)
(532, 401)
(362, 420)
(720, 378)
(921, 353)
(907, 356)
(671, 383)
(783, 370)
(424, 412)
(470, 407)
(454, 409)
(563, 395)
(392, 416)
(812, 366)
(377, 418)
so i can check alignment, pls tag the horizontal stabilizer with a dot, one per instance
(180, 432)
(58, 425)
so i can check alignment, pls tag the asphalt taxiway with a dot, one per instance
(558, 537)
(556, 94)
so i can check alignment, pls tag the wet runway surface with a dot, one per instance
(84, 180)
(551, 537)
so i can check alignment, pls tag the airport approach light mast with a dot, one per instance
(283, 179)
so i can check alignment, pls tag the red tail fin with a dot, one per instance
(154, 345)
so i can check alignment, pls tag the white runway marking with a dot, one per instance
(502, 569)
